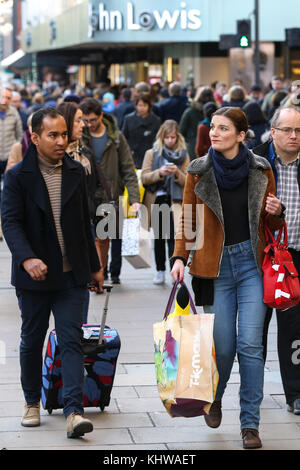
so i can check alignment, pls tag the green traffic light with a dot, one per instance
(244, 41)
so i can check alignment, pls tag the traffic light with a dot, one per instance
(292, 37)
(244, 33)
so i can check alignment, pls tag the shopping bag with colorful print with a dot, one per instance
(185, 360)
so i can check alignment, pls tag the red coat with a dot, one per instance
(203, 140)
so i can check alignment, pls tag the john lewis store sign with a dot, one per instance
(135, 18)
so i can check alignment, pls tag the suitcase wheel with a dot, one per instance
(50, 411)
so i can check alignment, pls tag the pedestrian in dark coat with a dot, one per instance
(46, 224)
(140, 128)
(236, 97)
(174, 106)
(257, 122)
(126, 106)
(192, 116)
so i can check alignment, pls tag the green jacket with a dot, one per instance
(188, 126)
(116, 164)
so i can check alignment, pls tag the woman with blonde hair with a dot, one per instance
(163, 174)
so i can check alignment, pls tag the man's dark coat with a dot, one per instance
(29, 229)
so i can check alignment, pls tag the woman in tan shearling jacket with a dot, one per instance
(163, 174)
(227, 195)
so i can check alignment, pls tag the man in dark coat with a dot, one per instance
(125, 107)
(140, 129)
(283, 153)
(45, 220)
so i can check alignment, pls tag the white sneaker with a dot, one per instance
(159, 277)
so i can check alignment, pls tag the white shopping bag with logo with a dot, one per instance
(136, 244)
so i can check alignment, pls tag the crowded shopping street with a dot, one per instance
(149, 228)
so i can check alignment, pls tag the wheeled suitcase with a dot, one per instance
(101, 346)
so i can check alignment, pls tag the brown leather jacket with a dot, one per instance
(201, 229)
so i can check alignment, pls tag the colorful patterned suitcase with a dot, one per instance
(101, 347)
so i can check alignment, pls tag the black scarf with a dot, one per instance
(230, 173)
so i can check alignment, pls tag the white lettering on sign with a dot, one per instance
(147, 20)
(109, 20)
(197, 370)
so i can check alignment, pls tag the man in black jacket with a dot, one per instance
(45, 220)
(283, 154)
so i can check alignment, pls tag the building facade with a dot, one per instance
(130, 40)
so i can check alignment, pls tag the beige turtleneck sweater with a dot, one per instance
(52, 175)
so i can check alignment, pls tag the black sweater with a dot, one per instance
(235, 213)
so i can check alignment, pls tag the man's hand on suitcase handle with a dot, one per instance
(36, 268)
(97, 282)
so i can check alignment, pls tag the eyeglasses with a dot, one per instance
(91, 121)
(289, 130)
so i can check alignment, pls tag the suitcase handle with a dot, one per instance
(108, 288)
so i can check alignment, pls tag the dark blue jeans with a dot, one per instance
(68, 306)
(239, 322)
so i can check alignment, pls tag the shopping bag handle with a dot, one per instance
(269, 234)
(172, 296)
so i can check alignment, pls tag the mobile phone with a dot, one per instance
(170, 164)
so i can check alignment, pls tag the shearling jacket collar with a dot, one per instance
(199, 166)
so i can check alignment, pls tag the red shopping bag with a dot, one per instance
(280, 277)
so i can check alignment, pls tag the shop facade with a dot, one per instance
(131, 41)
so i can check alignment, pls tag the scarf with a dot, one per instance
(174, 156)
(177, 157)
(230, 173)
(75, 151)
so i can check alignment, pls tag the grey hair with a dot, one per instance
(174, 89)
(276, 117)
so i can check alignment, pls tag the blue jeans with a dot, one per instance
(68, 305)
(239, 321)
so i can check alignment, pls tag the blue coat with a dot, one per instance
(29, 229)
(171, 108)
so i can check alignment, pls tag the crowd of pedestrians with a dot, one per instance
(65, 152)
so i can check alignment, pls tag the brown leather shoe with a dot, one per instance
(251, 439)
(214, 418)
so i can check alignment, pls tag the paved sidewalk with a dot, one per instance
(136, 418)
